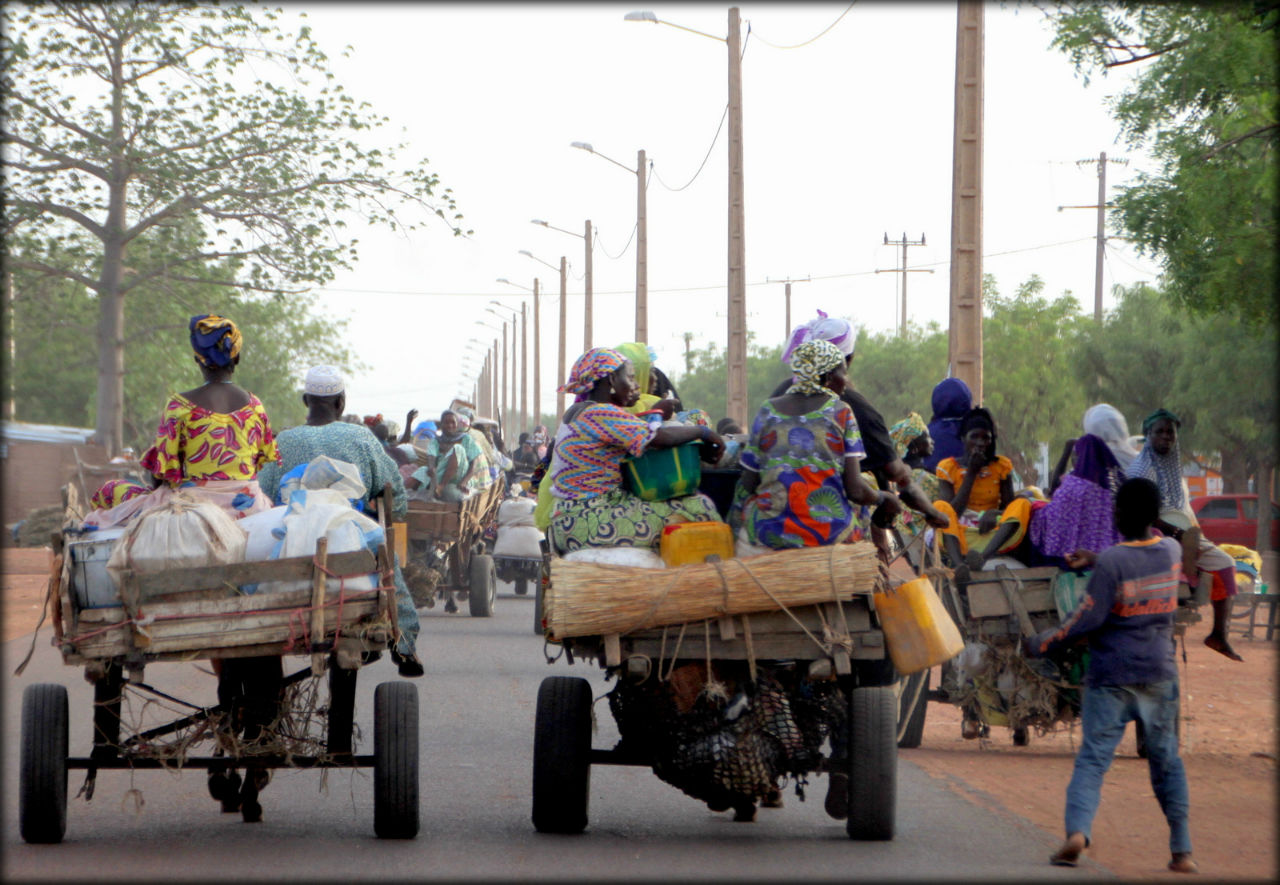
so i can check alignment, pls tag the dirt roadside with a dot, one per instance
(1229, 748)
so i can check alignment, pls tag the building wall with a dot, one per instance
(34, 473)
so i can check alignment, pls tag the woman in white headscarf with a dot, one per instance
(1106, 422)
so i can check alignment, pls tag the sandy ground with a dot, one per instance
(1229, 749)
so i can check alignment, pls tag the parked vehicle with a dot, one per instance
(1233, 519)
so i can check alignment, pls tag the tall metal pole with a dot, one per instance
(642, 252)
(537, 358)
(524, 370)
(586, 304)
(737, 349)
(1102, 235)
(560, 373)
(965, 328)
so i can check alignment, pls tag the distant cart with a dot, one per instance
(186, 614)
(451, 537)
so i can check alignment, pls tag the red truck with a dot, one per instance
(1233, 519)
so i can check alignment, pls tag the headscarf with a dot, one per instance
(424, 429)
(1159, 415)
(1164, 470)
(1095, 463)
(448, 439)
(907, 431)
(466, 416)
(951, 402)
(116, 491)
(979, 417)
(596, 363)
(372, 421)
(839, 332)
(215, 340)
(1105, 421)
(810, 361)
(642, 357)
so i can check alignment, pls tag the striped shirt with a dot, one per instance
(1127, 614)
(590, 450)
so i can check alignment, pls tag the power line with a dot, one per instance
(811, 39)
(719, 128)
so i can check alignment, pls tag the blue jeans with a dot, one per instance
(406, 613)
(1104, 711)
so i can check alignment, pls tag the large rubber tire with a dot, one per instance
(913, 703)
(395, 760)
(873, 763)
(561, 755)
(482, 586)
(42, 767)
(521, 586)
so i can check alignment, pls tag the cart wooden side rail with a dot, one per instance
(202, 612)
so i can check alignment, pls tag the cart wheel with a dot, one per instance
(522, 586)
(395, 760)
(483, 587)
(561, 755)
(913, 703)
(1021, 737)
(42, 773)
(873, 763)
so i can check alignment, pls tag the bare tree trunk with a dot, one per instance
(1235, 471)
(110, 418)
(1264, 485)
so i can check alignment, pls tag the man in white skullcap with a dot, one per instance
(325, 433)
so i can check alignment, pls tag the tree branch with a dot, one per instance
(69, 162)
(49, 271)
(1137, 58)
(1239, 138)
(66, 212)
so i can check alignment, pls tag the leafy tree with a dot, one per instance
(706, 386)
(123, 118)
(1216, 372)
(1205, 106)
(1029, 350)
(898, 374)
(53, 321)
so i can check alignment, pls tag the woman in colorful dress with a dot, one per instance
(975, 493)
(450, 459)
(212, 440)
(801, 483)
(912, 442)
(591, 506)
(1080, 514)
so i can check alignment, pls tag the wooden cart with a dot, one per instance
(839, 644)
(1000, 607)
(450, 537)
(186, 614)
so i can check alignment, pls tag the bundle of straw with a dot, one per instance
(593, 599)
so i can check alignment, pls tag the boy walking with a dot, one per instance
(1127, 617)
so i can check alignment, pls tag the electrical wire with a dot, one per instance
(719, 129)
(1112, 252)
(606, 252)
(811, 39)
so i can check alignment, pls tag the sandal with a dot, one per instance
(1068, 855)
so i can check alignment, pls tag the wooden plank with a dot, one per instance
(726, 627)
(612, 650)
(232, 575)
(317, 600)
(988, 600)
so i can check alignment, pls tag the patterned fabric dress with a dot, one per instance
(193, 443)
(800, 500)
(591, 508)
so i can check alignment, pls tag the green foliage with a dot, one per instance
(706, 386)
(1205, 104)
(898, 374)
(54, 322)
(123, 119)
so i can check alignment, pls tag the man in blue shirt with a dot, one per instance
(1126, 616)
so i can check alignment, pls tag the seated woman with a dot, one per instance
(642, 358)
(450, 460)
(801, 483)
(1107, 423)
(1080, 514)
(975, 493)
(1161, 462)
(591, 506)
(912, 442)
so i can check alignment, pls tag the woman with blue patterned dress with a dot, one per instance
(801, 485)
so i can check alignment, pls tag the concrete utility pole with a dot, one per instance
(10, 405)
(537, 358)
(1101, 236)
(524, 370)
(737, 350)
(586, 286)
(965, 327)
(904, 270)
(560, 375)
(642, 252)
(786, 292)
(688, 353)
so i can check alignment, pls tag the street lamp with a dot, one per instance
(642, 237)
(585, 236)
(523, 415)
(537, 348)
(560, 371)
(737, 285)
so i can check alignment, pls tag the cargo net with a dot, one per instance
(727, 740)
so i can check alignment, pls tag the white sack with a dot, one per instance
(315, 513)
(184, 532)
(635, 557)
(518, 540)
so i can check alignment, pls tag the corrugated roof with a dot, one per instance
(21, 431)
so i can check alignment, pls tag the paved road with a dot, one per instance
(477, 704)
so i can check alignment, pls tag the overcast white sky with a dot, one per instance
(846, 139)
